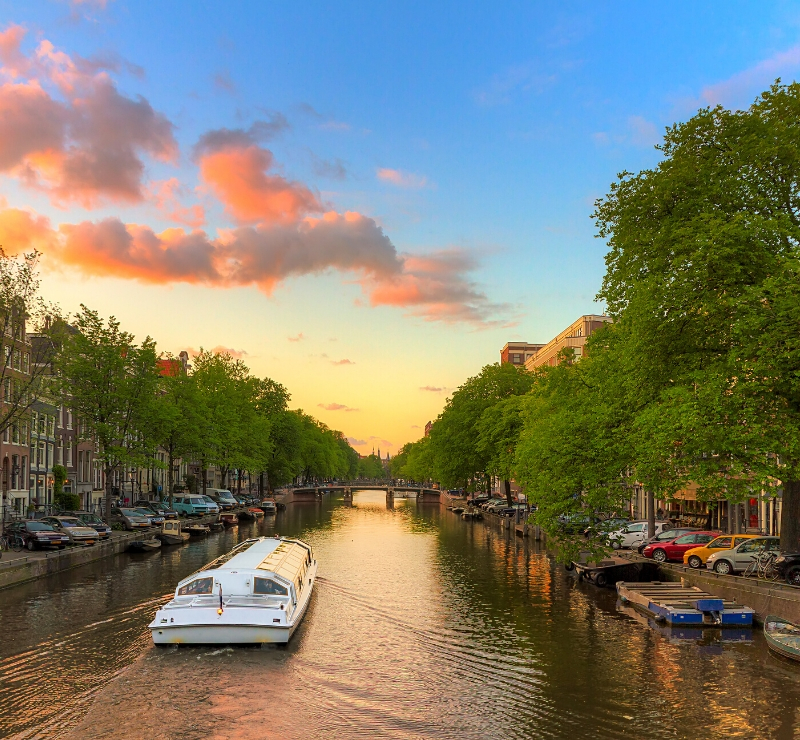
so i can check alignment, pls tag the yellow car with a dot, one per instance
(697, 556)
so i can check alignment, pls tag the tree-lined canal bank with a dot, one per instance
(422, 626)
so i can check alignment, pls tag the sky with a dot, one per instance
(363, 201)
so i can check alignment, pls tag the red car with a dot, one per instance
(674, 549)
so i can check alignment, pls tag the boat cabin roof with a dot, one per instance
(284, 557)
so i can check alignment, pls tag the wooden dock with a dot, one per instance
(675, 603)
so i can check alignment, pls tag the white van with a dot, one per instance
(223, 497)
(634, 533)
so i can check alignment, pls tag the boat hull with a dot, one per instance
(781, 643)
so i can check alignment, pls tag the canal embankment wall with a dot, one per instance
(17, 568)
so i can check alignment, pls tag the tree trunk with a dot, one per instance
(107, 502)
(261, 485)
(507, 486)
(238, 482)
(651, 514)
(205, 478)
(790, 516)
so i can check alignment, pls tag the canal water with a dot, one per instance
(421, 626)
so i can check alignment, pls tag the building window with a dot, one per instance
(6, 433)
(52, 420)
(60, 451)
(15, 434)
(516, 359)
(69, 419)
(49, 456)
(42, 422)
(26, 364)
(69, 454)
(40, 455)
(24, 434)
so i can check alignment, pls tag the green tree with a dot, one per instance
(224, 393)
(177, 420)
(457, 456)
(110, 382)
(703, 255)
(499, 428)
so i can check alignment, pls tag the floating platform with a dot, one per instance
(677, 604)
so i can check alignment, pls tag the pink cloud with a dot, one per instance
(236, 169)
(342, 362)
(166, 197)
(402, 179)
(431, 388)
(66, 130)
(220, 349)
(335, 407)
(298, 338)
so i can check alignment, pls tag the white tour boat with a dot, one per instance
(258, 592)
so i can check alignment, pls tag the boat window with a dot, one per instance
(196, 587)
(269, 587)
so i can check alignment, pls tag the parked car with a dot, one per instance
(190, 504)
(268, 506)
(93, 521)
(223, 497)
(494, 505)
(490, 503)
(675, 548)
(74, 528)
(157, 508)
(155, 519)
(738, 558)
(524, 510)
(697, 557)
(213, 506)
(36, 534)
(667, 534)
(633, 533)
(788, 566)
(130, 519)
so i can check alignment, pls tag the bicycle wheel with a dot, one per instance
(16, 544)
(752, 569)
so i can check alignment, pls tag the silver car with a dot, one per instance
(74, 528)
(737, 559)
(130, 519)
(213, 506)
(155, 519)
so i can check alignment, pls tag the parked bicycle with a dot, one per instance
(763, 566)
(11, 542)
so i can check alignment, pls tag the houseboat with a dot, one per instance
(256, 593)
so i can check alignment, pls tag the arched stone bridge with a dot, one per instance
(314, 493)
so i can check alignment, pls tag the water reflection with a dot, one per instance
(422, 625)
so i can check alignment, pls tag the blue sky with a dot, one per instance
(483, 130)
